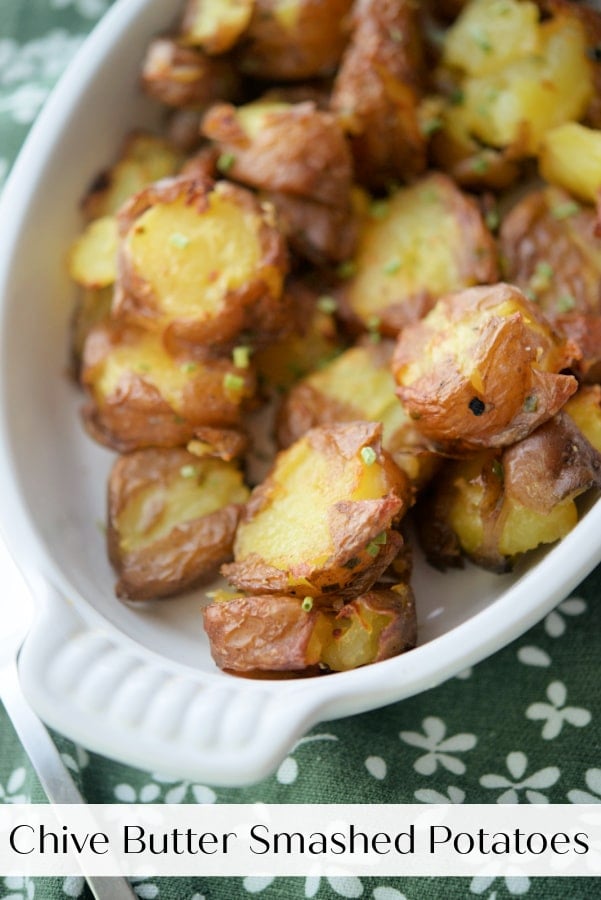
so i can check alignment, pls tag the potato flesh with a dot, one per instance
(585, 409)
(292, 529)
(525, 529)
(525, 98)
(216, 25)
(570, 156)
(254, 117)
(190, 259)
(195, 491)
(412, 249)
(93, 256)
(351, 642)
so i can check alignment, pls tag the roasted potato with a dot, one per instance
(520, 77)
(290, 40)
(139, 395)
(482, 370)
(171, 520)
(377, 91)
(215, 25)
(144, 158)
(294, 148)
(323, 519)
(283, 633)
(358, 385)
(185, 77)
(311, 341)
(551, 252)
(570, 156)
(203, 261)
(499, 504)
(424, 241)
(585, 410)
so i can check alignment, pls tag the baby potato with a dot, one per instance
(322, 521)
(144, 158)
(377, 91)
(482, 369)
(185, 77)
(93, 257)
(204, 262)
(215, 25)
(423, 242)
(276, 633)
(289, 40)
(498, 504)
(551, 252)
(142, 396)
(276, 146)
(171, 520)
(358, 385)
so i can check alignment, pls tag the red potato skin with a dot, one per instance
(188, 556)
(377, 91)
(315, 232)
(250, 307)
(504, 354)
(301, 151)
(186, 78)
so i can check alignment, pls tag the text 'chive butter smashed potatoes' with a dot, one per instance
(354, 282)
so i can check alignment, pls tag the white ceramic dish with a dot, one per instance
(138, 684)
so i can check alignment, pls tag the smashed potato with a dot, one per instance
(482, 369)
(205, 262)
(185, 77)
(323, 519)
(93, 257)
(423, 242)
(316, 232)
(358, 385)
(284, 633)
(264, 144)
(215, 25)
(290, 40)
(140, 395)
(570, 156)
(171, 520)
(498, 505)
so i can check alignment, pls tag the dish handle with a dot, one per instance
(109, 694)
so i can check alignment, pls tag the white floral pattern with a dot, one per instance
(517, 763)
(11, 792)
(441, 750)
(287, 772)
(20, 887)
(165, 790)
(534, 656)
(453, 795)
(343, 886)
(516, 885)
(555, 623)
(555, 713)
(593, 795)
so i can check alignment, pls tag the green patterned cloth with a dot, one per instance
(524, 726)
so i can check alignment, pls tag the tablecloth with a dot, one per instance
(523, 726)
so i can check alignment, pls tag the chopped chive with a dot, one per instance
(143, 367)
(347, 269)
(566, 302)
(492, 219)
(188, 367)
(531, 403)
(396, 35)
(179, 240)
(368, 455)
(233, 383)
(225, 162)
(373, 323)
(544, 269)
(188, 471)
(372, 549)
(456, 97)
(482, 40)
(480, 165)
(431, 126)
(307, 604)
(327, 305)
(392, 267)
(241, 356)
(379, 209)
(565, 210)
(381, 539)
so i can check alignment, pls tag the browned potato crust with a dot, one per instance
(294, 40)
(551, 252)
(322, 520)
(377, 91)
(500, 504)
(423, 242)
(482, 369)
(277, 633)
(294, 148)
(185, 77)
(142, 396)
(171, 520)
(202, 261)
